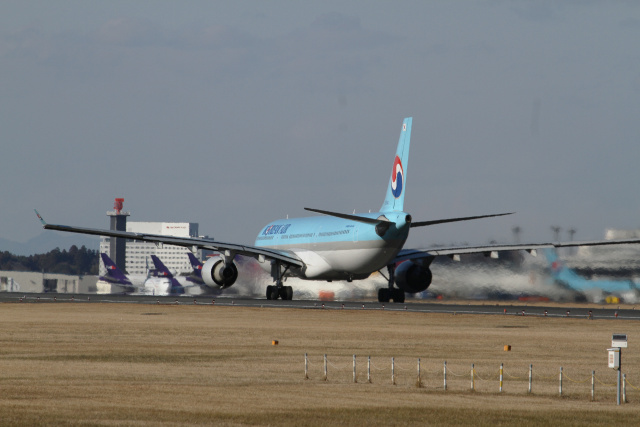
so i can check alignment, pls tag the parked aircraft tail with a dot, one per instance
(114, 274)
(196, 274)
(196, 264)
(163, 271)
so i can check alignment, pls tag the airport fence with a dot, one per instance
(474, 378)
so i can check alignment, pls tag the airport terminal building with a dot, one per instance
(138, 260)
(27, 281)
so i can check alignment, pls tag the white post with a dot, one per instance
(325, 367)
(445, 374)
(593, 385)
(354, 369)
(624, 388)
(369, 369)
(530, 377)
(393, 371)
(501, 377)
(560, 387)
(306, 367)
(472, 377)
(419, 380)
(618, 396)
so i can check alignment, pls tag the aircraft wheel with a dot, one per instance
(272, 292)
(286, 293)
(398, 295)
(383, 295)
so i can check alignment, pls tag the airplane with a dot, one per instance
(565, 276)
(115, 276)
(338, 246)
(163, 282)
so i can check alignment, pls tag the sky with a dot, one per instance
(232, 114)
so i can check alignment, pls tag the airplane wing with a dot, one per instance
(286, 257)
(493, 250)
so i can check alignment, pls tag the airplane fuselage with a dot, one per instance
(578, 283)
(569, 278)
(335, 248)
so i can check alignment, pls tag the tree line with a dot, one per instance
(75, 261)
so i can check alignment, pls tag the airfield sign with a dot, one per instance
(619, 340)
(614, 358)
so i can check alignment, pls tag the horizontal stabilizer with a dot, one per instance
(365, 220)
(466, 218)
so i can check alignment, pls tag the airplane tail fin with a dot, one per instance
(114, 274)
(551, 255)
(394, 200)
(196, 274)
(161, 269)
(195, 264)
(555, 265)
(563, 274)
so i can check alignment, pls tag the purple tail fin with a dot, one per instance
(196, 264)
(114, 274)
(163, 271)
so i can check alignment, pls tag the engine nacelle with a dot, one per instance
(216, 274)
(412, 278)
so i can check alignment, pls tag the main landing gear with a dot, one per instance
(391, 293)
(275, 292)
(278, 290)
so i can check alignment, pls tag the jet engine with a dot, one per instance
(412, 278)
(216, 273)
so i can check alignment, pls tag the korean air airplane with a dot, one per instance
(565, 276)
(337, 246)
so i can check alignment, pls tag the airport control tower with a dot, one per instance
(117, 246)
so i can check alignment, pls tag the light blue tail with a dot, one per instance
(560, 272)
(394, 201)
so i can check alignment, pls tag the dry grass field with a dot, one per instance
(126, 364)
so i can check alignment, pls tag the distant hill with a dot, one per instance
(49, 240)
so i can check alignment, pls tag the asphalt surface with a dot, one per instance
(415, 307)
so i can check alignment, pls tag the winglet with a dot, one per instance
(40, 218)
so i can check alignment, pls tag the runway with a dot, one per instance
(552, 310)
